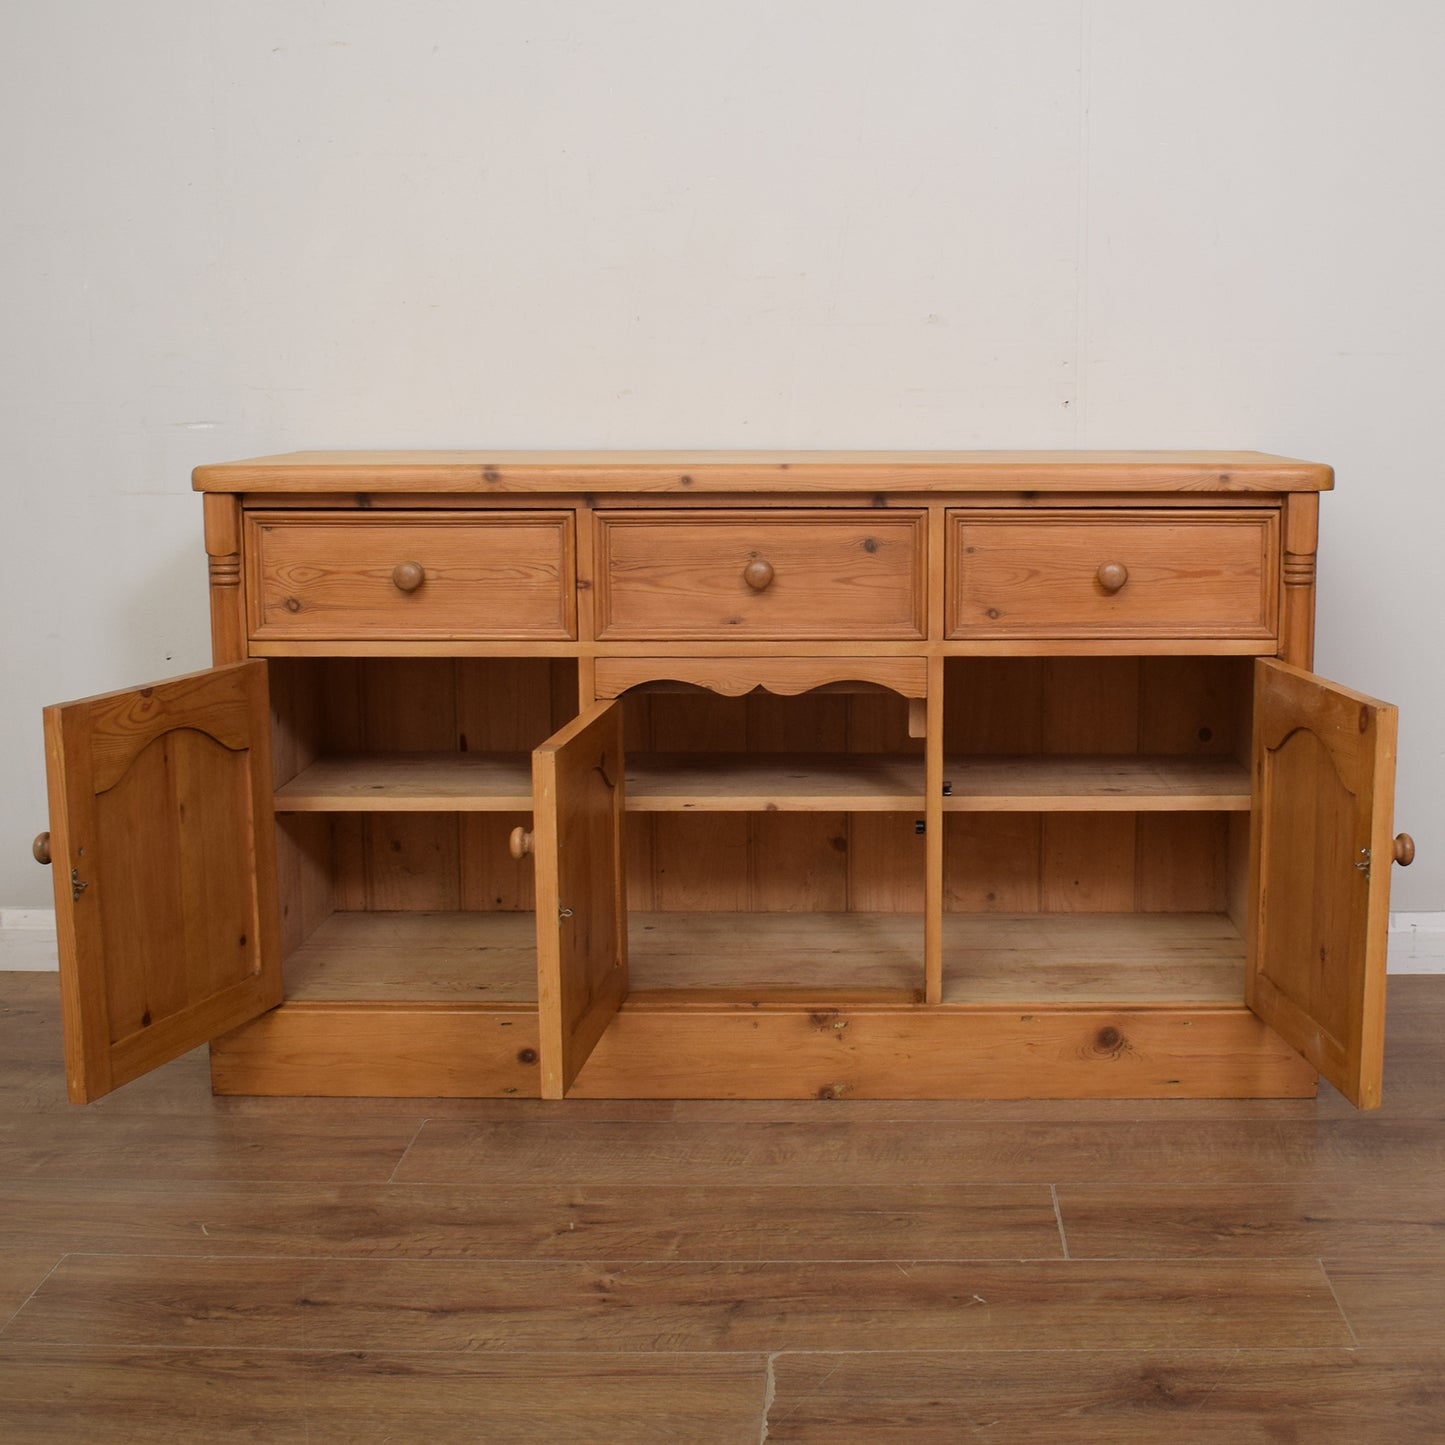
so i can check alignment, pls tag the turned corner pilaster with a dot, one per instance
(1297, 577)
(228, 594)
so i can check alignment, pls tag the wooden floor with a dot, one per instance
(177, 1267)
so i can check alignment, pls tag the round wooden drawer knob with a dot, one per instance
(1112, 576)
(758, 574)
(1404, 849)
(408, 576)
(41, 848)
(520, 843)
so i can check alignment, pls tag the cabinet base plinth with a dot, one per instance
(380, 1051)
(656, 1052)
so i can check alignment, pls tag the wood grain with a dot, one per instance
(1081, 958)
(323, 575)
(95, 1145)
(1319, 890)
(487, 472)
(1157, 1150)
(400, 1049)
(1398, 1303)
(1345, 1218)
(320, 1396)
(165, 869)
(1096, 784)
(431, 957)
(781, 676)
(777, 1044)
(412, 783)
(499, 1306)
(837, 574)
(21, 1271)
(883, 1272)
(579, 787)
(1109, 1397)
(1036, 575)
(519, 1222)
(771, 782)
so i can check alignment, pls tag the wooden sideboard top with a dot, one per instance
(694, 472)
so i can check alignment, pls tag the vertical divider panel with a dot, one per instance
(933, 820)
(933, 837)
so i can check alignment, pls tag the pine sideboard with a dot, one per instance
(906, 775)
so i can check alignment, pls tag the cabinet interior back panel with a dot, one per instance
(772, 862)
(1103, 862)
(406, 861)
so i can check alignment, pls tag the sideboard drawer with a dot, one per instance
(781, 575)
(1094, 574)
(323, 576)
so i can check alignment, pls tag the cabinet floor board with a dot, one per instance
(1072, 958)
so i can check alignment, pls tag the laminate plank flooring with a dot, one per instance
(501, 1305)
(179, 1267)
(1109, 1397)
(1397, 1303)
(1199, 1151)
(329, 1398)
(1343, 1218)
(545, 1222)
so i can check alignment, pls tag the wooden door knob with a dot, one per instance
(41, 847)
(520, 843)
(408, 576)
(758, 574)
(1112, 576)
(1404, 849)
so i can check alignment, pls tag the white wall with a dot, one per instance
(232, 228)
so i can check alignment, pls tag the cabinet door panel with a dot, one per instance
(1320, 854)
(577, 783)
(163, 840)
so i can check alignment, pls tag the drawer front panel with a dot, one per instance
(777, 575)
(408, 575)
(1092, 574)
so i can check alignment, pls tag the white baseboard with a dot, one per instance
(28, 918)
(27, 940)
(1417, 943)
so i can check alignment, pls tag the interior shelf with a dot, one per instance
(1084, 958)
(1096, 783)
(761, 782)
(656, 783)
(412, 783)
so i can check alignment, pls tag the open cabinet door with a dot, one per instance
(1320, 855)
(163, 843)
(577, 823)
